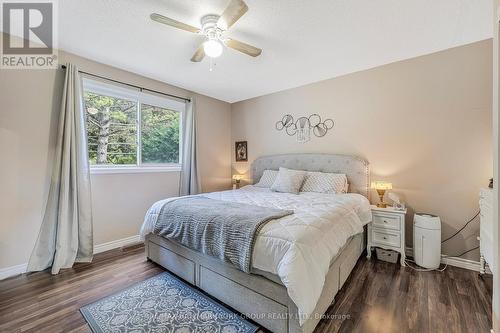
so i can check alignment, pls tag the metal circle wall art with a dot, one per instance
(303, 126)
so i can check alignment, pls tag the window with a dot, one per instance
(129, 130)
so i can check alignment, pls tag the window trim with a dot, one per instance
(101, 170)
(140, 97)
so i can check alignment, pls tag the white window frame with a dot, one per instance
(138, 97)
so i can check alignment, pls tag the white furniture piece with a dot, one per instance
(427, 240)
(387, 230)
(261, 295)
(486, 229)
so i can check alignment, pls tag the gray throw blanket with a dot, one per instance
(222, 229)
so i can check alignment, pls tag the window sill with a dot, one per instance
(133, 169)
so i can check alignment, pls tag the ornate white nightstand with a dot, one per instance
(387, 230)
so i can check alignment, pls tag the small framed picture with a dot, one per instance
(241, 151)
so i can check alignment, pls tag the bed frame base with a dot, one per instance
(262, 300)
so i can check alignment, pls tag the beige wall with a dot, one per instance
(29, 103)
(495, 100)
(424, 124)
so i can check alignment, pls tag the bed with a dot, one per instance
(292, 283)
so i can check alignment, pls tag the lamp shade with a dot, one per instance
(381, 185)
(213, 48)
(237, 177)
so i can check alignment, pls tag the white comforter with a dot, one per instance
(299, 247)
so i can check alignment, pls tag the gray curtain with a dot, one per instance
(190, 180)
(66, 233)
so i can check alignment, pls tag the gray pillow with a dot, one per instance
(322, 182)
(288, 181)
(268, 178)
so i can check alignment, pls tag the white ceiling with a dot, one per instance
(304, 41)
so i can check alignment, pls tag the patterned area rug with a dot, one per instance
(163, 304)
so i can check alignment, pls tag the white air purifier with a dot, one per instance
(427, 240)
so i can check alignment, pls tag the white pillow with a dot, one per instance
(288, 181)
(322, 182)
(268, 178)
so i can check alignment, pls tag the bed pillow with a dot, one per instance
(268, 178)
(288, 181)
(322, 182)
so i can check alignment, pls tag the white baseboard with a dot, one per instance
(20, 269)
(117, 244)
(455, 261)
(12, 270)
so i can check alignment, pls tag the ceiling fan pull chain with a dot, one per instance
(211, 66)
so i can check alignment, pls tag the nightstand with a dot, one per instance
(387, 231)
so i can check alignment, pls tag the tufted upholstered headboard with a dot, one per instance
(356, 169)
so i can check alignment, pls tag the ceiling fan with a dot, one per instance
(214, 27)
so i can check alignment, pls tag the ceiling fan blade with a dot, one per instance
(243, 47)
(199, 54)
(232, 13)
(173, 23)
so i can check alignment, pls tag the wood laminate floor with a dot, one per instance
(378, 297)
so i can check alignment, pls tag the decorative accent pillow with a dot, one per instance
(322, 182)
(267, 179)
(288, 181)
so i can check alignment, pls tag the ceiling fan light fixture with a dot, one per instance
(214, 28)
(213, 48)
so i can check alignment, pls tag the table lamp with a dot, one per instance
(237, 179)
(381, 187)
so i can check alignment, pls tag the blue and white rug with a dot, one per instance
(162, 303)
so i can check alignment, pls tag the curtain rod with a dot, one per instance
(132, 85)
